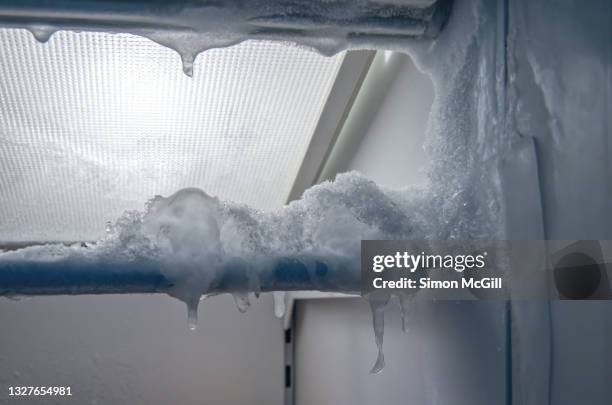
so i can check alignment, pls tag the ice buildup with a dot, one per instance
(202, 245)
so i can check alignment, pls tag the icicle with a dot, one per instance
(242, 301)
(41, 33)
(377, 305)
(187, 59)
(405, 310)
(279, 304)
(192, 313)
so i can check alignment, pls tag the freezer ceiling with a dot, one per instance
(93, 124)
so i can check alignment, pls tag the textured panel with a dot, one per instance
(94, 124)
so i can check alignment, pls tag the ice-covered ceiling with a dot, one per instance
(93, 124)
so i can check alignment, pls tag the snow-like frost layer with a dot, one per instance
(198, 239)
(201, 242)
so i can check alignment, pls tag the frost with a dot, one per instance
(205, 246)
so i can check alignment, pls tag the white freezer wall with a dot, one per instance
(453, 353)
(137, 349)
(563, 72)
(560, 68)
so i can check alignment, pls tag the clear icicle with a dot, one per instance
(41, 33)
(192, 313)
(406, 311)
(279, 304)
(187, 61)
(242, 301)
(377, 305)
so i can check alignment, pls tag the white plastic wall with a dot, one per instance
(563, 67)
(391, 152)
(138, 350)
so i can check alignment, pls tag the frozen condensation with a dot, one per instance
(197, 238)
(199, 241)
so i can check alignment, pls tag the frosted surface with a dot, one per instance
(196, 238)
(93, 124)
(477, 111)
